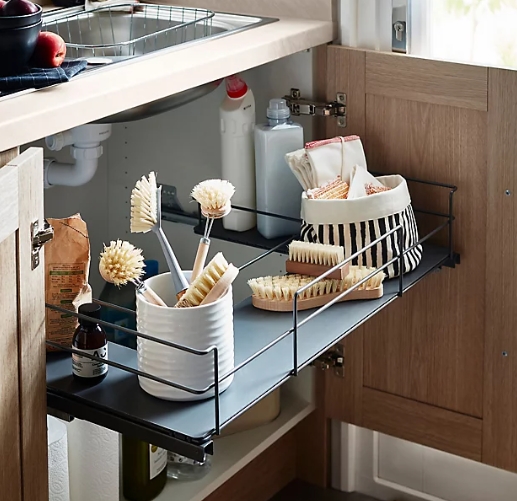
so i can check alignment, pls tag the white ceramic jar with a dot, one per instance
(198, 328)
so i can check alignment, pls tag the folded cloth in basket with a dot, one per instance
(37, 78)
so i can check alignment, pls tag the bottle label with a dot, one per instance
(157, 460)
(85, 367)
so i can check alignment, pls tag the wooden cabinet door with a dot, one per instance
(23, 431)
(430, 367)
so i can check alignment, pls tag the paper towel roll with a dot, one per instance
(58, 483)
(93, 460)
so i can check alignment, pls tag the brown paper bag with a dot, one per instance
(67, 266)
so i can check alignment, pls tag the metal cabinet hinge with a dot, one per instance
(333, 358)
(39, 238)
(300, 106)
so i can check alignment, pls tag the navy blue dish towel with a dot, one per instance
(37, 78)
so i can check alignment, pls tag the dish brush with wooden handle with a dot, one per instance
(212, 284)
(277, 293)
(306, 258)
(213, 195)
(120, 263)
(146, 215)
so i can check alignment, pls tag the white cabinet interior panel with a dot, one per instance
(183, 147)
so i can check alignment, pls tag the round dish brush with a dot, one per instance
(146, 215)
(213, 195)
(120, 263)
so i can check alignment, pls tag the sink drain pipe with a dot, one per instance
(85, 148)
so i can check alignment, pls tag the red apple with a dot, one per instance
(50, 50)
(19, 8)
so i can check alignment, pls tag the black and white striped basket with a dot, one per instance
(355, 223)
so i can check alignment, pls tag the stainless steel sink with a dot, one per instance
(119, 33)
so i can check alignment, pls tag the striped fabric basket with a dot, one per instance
(355, 223)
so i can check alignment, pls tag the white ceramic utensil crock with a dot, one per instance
(199, 328)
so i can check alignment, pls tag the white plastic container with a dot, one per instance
(237, 117)
(198, 328)
(278, 190)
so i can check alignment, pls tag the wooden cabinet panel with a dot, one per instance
(344, 396)
(423, 119)
(31, 314)
(266, 475)
(10, 471)
(429, 345)
(438, 428)
(23, 444)
(426, 81)
(500, 390)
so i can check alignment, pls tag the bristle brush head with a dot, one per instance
(283, 288)
(203, 284)
(313, 253)
(214, 197)
(144, 208)
(121, 262)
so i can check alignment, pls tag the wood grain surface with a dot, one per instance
(266, 475)
(10, 471)
(428, 346)
(313, 440)
(422, 119)
(500, 370)
(31, 318)
(344, 396)
(424, 424)
(427, 81)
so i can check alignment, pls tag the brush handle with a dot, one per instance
(199, 263)
(178, 278)
(149, 294)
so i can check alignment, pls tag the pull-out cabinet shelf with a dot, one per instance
(270, 347)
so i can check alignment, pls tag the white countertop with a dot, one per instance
(26, 118)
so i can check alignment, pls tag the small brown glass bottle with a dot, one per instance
(90, 338)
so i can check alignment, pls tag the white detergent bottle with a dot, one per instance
(237, 113)
(278, 190)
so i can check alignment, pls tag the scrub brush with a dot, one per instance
(313, 259)
(214, 197)
(120, 263)
(146, 215)
(277, 293)
(211, 285)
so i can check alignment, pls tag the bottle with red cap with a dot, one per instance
(237, 116)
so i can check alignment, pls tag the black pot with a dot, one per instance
(7, 22)
(16, 48)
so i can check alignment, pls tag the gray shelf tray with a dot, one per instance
(120, 404)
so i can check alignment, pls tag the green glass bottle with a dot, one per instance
(144, 469)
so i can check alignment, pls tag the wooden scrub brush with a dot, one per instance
(277, 293)
(213, 195)
(313, 259)
(146, 215)
(212, 284)
(120, 263)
